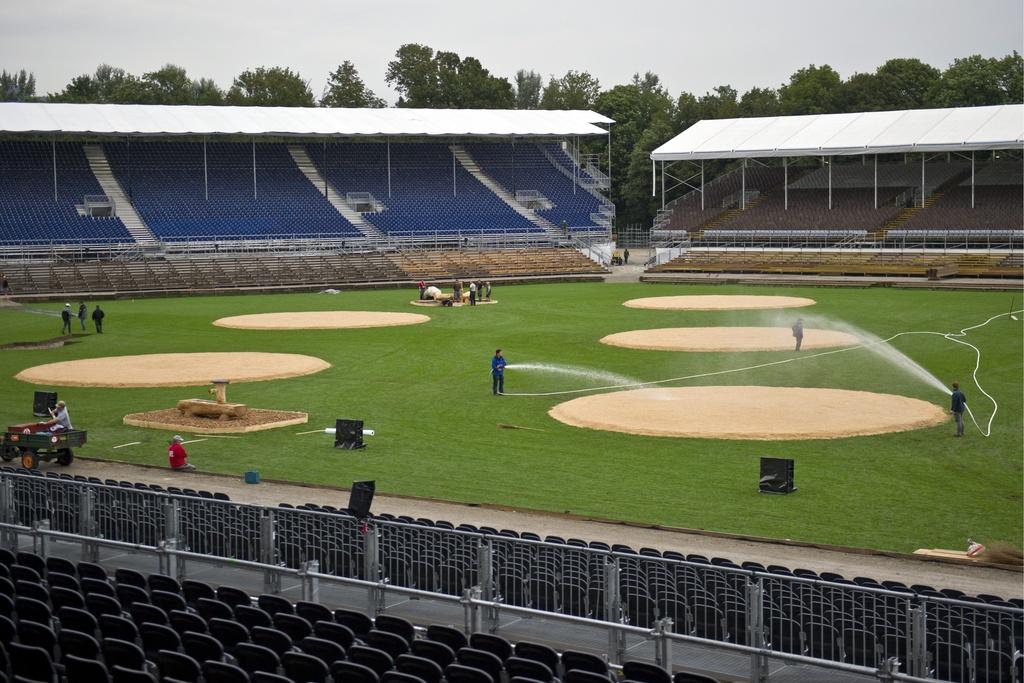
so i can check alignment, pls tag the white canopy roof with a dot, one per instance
(140, 119)
(878, 132)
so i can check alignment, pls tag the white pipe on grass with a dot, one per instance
(366, 432)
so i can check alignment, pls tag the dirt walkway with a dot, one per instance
(904, 568)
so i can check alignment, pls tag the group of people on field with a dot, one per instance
(67, 314)
(478, 290)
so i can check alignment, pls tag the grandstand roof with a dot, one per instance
(877, 132)
(144, 119)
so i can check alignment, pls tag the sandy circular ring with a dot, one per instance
(728, 339)
(749, 413)
(172, 369)
(718, 302)
(320, 320)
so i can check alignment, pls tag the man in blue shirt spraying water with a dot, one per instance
(498, 364)
(958, 403)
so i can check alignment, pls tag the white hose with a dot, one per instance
(951, 336)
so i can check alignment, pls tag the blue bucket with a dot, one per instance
(252, 477)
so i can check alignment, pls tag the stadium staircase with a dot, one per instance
(309, 169)
(112, 188)
(607, 215)
(467, 162)
(911, 211)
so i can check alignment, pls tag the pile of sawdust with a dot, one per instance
(255, 420)
(320, 320)
(718, 302)
(728, 339)
(172, 369)
(749, 412)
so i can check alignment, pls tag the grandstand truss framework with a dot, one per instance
(961, 131)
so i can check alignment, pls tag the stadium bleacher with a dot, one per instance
(532, 170)
(429, 194)
(167, 189)
(28, 209)
(821, 615)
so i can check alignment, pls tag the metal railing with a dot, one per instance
(479, 613)
(804, 616)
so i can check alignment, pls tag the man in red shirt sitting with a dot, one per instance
(177, 456)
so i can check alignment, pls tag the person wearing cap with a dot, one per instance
(61, 422)
(83, 313)
(798, 332)
(177, 456)
(65, 315)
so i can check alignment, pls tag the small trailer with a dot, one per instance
(33, 443)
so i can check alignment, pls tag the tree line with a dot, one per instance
(646, 113)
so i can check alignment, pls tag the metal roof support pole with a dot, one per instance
(576, 165)
(389, 166)
(654, 178)
(972, 179)
(455, 192)
(663, 184)
(829, 182)
(254, 167)
(785, 184)
(206, 177)
(701, 184)
(922, 180)
(128, 141)
(609, 158)
(513, 165)
(876, 181)
(325, 170)
(743, 186)
(53, 151)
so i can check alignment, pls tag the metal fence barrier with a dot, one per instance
(860, 625)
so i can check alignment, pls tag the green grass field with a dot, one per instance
(426, 390)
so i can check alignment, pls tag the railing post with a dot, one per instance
(167, 557)
(471, 613)
(662, 643)
(39, 538)
(755, 629)
(310, 583)
(268, 554)
(87, 524)
(371, 564)
(917, 648)
(485, 572)
(8, 538)
(613, 611)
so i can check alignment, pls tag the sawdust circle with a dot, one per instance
(728, 339)
(320, 320)
(749, 413)
(172, 369)
(718, 302)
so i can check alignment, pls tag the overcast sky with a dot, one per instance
(692, 46)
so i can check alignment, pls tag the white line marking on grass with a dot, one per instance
(194, 441)
(312, 431)
(133, 443)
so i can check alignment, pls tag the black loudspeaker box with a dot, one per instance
(776, 476)
(44, 400)
(361, 498)
(348, 434)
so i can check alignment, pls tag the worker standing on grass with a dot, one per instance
(65, 317)
(958, 403)
(97, 319)
(498, 364)
(177, 457)
(798, 332)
